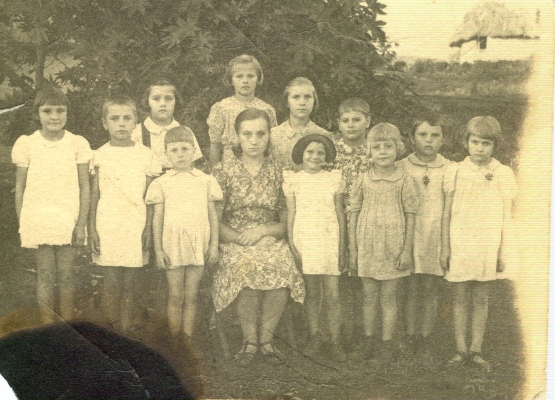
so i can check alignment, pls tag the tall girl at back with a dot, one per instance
(384, 202)
(119, 228)
(244, 73)
(161, 99)
(301, 98)
(185, 228)
(52, 199)
(480, 217)
(316, 229)
(435, 177)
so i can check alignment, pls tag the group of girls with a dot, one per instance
(352, 209)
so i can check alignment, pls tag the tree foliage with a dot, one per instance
(122, 45)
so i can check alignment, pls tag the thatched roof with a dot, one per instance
(493, 19)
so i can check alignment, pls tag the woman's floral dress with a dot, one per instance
(248, 202)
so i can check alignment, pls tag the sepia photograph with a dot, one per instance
(293, 199)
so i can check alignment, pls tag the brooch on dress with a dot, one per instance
(489, 176)
(426, 178)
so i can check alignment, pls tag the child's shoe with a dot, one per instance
(336, 352)
(477, 361)
(313, 346)
(370, 348)
(411, 345)
(424, 349)
(388, 352)
(460, 359)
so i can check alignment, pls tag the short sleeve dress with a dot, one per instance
(316, 230)
(50, 206)
(380, 232)
(121, 211)
(186, 233)
(351, 162)
(221, 120)
(248, 202)
(284, 138)
(477, 220)
(435, 181)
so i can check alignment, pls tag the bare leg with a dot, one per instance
(313, 302)
(65, 257)
(412, 303)
(480, 294)
(247, 310)
(46, 278)
(429, 299)
(126, 304)
(176, 295)
(273, 304)
(460, 313)
(193, 276)
(111, 295)
(331, 290)
(371, 289)
(388, 300)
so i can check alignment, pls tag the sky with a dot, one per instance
(423, 28)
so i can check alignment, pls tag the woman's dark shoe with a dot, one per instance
(271, 355)
(370, 348)
(245, 357)
(313, 346)
(336, 352)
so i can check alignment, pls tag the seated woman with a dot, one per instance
(255, 265)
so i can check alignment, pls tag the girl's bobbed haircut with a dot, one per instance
(432, 120)
(243, 59)
(302, 144)
(162, 82)
(179, 134)
(385, 131)
(484, 127)
(119, 100)
(250, 114)
(354, 104)
(50, 95)
(300, 81)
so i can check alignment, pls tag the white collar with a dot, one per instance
(156, 129)
(438, 162)
(195, 172)
(395, 176)
(290, 132)
(492, 165)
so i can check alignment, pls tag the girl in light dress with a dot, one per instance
(384, 202)
(244, 73)
(52, 200)
(435, 177)
(301, 98)
(161, 99)
(481, 215)
(316, 231)
(119, 228)
(185, 228)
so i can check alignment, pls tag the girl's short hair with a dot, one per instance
(243, 59)
(385, 131)
(119, 100)
(179, 134)
(162, 82)
(302, 144)
(432, 120)
(484, 127)
(251, 114)
(354, 104)
(301, 81)
(51, 95)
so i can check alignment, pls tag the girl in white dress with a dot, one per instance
(185, 228)
(435, 177)
(481, 214)
(316, 229)
(119, 230)
(52, 199)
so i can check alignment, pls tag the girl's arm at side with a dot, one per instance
(215, 155)
(353, 248)
(213, 254)
(84, 202)
(94, 240)
(20, 184)
(162, 259)
(342, 221)
(147, 232)
(445, 238)
(291, 212)
(406, 260)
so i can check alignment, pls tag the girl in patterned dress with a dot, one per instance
(244, 73)
(316, 230)
(185, 228)
(52, 199)
(256, 265)
(381, 230)
(481, 215)
(435, 177)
